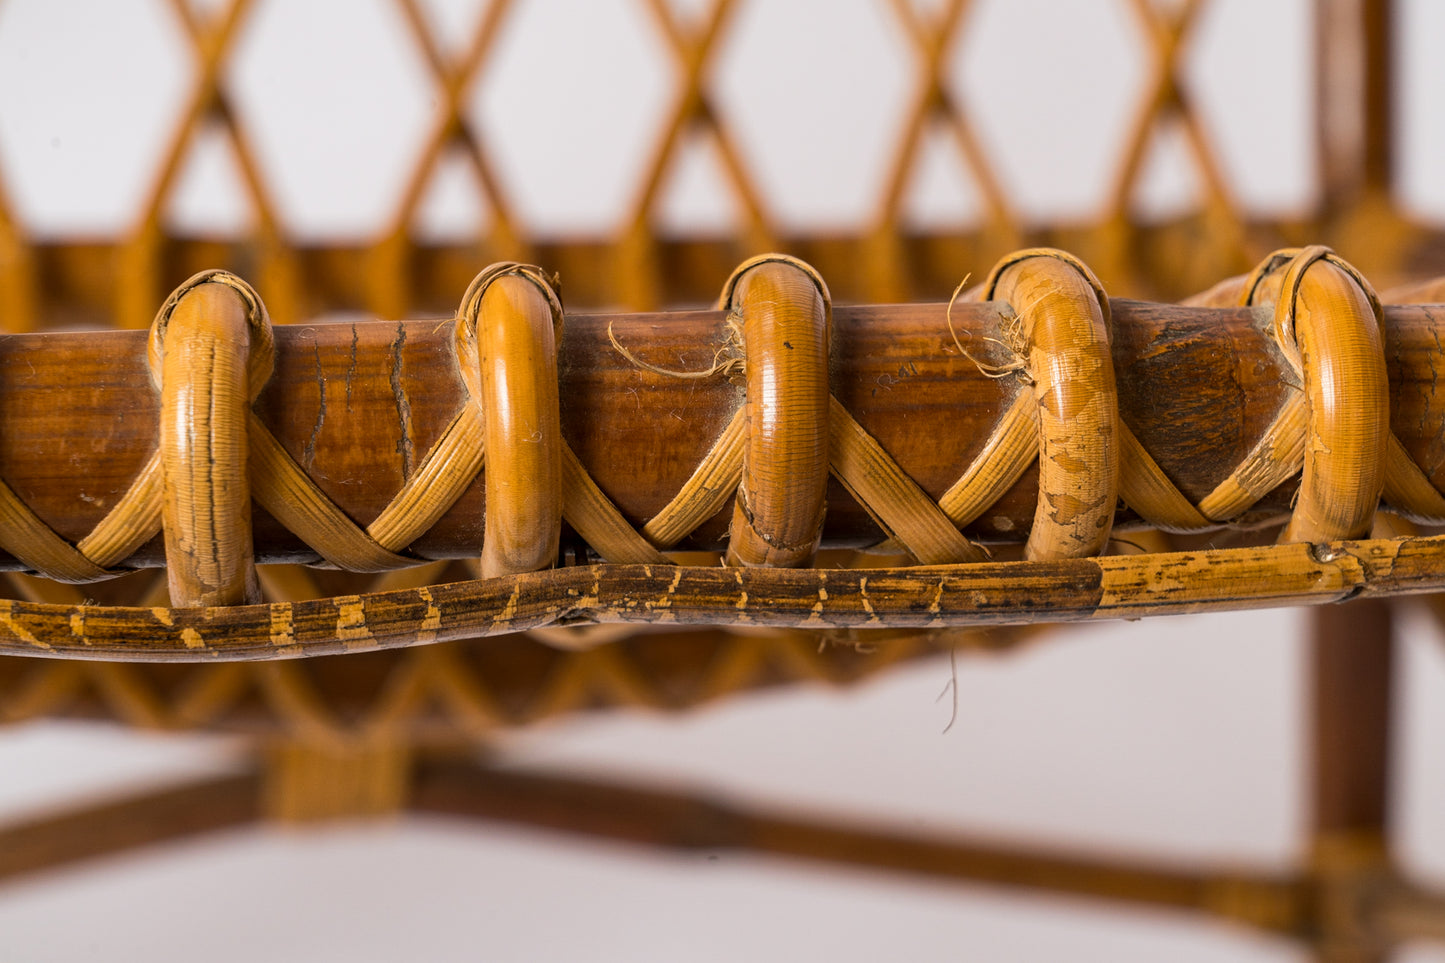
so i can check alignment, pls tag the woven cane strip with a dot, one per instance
(1281, 453)
(591, 513)
(1407, 491)
(24, 535)
(1278, 456)
(280, 485)
(134, 519)
(1333, 427)
(385, 268)
(897, 504)
(1007, 454)
(706, 492)
(284, 488)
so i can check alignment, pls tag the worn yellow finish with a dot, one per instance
(1064, 334)
(203, 348)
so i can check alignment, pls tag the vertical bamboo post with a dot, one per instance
(1351, 660)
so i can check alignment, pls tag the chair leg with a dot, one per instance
(1351, 661)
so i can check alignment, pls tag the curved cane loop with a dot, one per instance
(466, 335)
(1327, 323)
(507, 335)
(1064, 324)
(1291, 292)
(990, 289)
(456, 459)
(783, 312)
(1141, 483)
(515, 321)
(138, 515)
(276, 481)
(200, 350)
(717, 477)
(726, 299)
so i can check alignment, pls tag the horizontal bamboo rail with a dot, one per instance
(378, 446)
(1384, 909)
(358, 405)
(65, 838)
(989, 593)
(670, 819)
(78, 416)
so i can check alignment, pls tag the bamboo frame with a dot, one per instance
(1341, 915)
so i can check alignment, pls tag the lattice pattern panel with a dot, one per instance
(371, 155)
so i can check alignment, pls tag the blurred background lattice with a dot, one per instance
(369, 155)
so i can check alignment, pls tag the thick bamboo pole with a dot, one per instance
(359, 405)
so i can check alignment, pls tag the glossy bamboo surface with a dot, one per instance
(354, 404)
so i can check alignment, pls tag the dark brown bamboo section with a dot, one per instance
(358, 406)
(668, 819)
(1384, 910)
(1351, 668)
(677, 820)
(122, 825)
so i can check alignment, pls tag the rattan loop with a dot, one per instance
(783, 313)
(261, 354)
(511, 322)
(1064, 317)
(1327, 323)
(201, 356)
